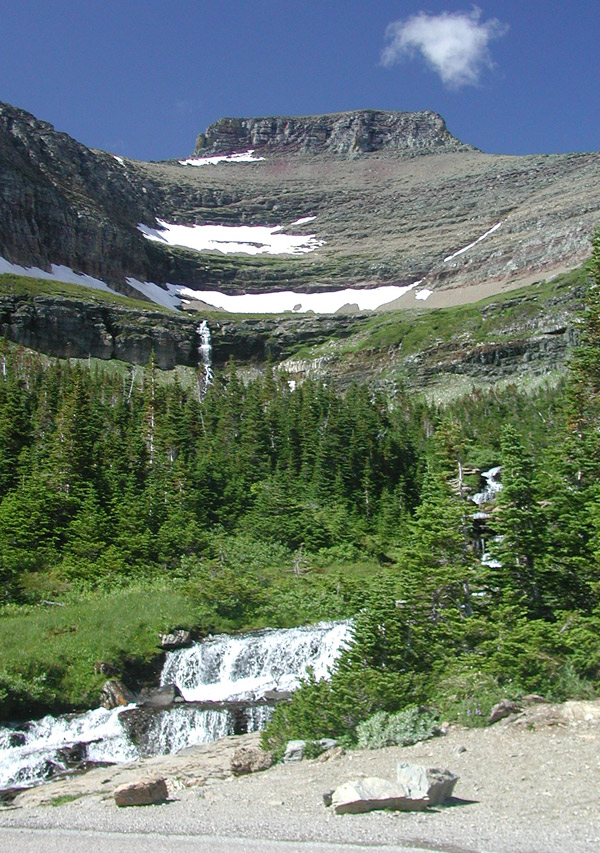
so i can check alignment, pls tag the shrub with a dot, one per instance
(466, 695)
(408, 726)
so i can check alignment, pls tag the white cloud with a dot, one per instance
(454, 44)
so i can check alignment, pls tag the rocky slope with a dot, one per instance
(526, 334)
(384, 214)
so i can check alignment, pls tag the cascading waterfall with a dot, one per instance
(189, 725)
(225, 668)
(39, 750)
(489, 494)
(243, 670)
(205, 353)
(492, 486)
(232, 675)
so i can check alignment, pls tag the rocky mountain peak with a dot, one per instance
(347, 133)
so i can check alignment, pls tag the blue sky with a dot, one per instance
(142, 78)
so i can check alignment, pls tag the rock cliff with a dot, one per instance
(72, 328)
(529, 334)
(62, 203)
(359, 131)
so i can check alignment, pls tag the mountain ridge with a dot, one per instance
(345, 133)
(458, 222)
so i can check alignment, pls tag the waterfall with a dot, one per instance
(205, 353)
(491, 488)
(39, 750)
(235, 676)
(225, 668)
(189, 725)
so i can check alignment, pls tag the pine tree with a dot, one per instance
(519, 524)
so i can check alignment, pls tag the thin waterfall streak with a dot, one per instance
(205, 353)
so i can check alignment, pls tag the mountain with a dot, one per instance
(350, 201)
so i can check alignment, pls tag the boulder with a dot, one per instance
(144, 792)
(159, 697)
(329, 754)
(177, 639)
(115, 693)
(426, 782)
(294, 751)
(503, 709)
(371, 793)
(250, 759)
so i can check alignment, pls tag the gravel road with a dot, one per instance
(531, 785)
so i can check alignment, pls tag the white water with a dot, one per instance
(491, 488)
(187, 726)
(39, 756)
(246, 667)
(220, 669)
(205, 352)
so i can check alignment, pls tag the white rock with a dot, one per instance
(430, 782)
(371, 793)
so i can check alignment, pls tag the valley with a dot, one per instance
(261, 386)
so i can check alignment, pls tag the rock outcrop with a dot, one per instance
(70, 328)
(358, 131)
(114, 694)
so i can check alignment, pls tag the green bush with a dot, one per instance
(409, 726)
(466, 695)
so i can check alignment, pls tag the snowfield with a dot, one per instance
(171, 295)
(232, 239)
(242, 157)
(288, 300)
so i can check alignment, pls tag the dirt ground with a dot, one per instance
(529, 784)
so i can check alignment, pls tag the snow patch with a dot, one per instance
(297, 303)
(232, 239)
(242, 157)
(474, 243)
(58, 273)
(423, 294)
(167, 298)
(303, 220)
(119, 159)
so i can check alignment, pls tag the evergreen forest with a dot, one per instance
(132, 505)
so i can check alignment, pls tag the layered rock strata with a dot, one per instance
(358, 131)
